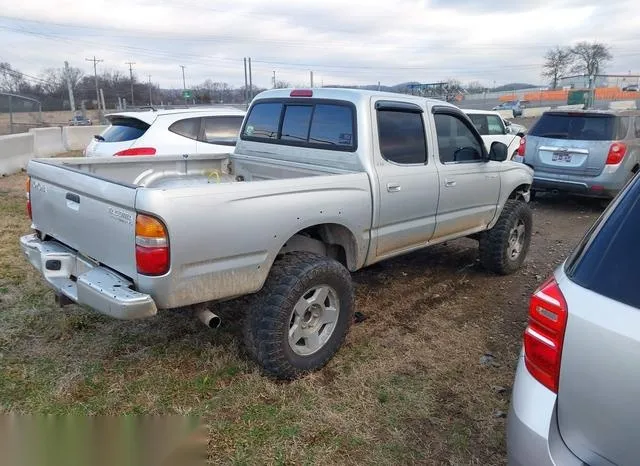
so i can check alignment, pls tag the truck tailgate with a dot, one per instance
(92, 215)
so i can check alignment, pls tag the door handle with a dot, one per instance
(393, 187)
(491, 177)
(449, 183)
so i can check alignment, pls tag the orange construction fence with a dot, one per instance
(602, 93)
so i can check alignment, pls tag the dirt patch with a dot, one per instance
(407, 388)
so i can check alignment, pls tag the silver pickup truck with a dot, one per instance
(321, 183)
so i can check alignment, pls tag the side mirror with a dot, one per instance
(507, 122)
(499, 152)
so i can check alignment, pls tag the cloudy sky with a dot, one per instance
(343, 42)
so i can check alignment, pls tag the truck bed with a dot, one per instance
(90, 206)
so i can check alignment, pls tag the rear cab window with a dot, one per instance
(315, 123)
(579, 126)
(612, 244)
(124, 129)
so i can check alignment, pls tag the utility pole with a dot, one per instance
(150, 99)
(67, 74)
(184, 82)
(274, 79)
(246, 82)
(250, 82)
(311, 78)
(95, 73)
(131, 63)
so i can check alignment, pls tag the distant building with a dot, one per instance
(611, 80)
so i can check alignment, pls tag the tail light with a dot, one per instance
(617, 151)
(152, 246)
(544, 334)
(136, 151)
(522, 146)
(29, 198)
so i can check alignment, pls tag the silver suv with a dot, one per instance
(575, 394)
(592, 153)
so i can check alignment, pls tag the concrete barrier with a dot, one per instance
(534, 112)
(78, 137)
(570, 107)
(623, 105)
(15, 152)
(47, 141)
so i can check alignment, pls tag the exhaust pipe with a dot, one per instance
(208, 318)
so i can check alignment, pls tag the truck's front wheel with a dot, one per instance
(300, 318)
(504, 247)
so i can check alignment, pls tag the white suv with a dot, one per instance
(493, 128)
(168, 132)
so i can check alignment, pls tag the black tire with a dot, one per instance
(495, 253)
(268, 319)
(532, 194)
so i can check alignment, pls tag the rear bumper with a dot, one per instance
(607, 184)
(532, 427)
(84, 282)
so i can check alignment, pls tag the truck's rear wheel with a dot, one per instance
(504, 247)
(300, 318)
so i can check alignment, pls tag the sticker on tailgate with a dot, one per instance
(121, 216)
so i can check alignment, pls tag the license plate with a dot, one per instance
(561, 157)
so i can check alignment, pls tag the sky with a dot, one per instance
(351, 42)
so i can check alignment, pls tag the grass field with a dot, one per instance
(407, 388)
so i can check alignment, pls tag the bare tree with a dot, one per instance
(590, 58)
(556, 63)
(282, 84)
(11, 80)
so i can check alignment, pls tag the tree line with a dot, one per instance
(585, 58)
(51, 88)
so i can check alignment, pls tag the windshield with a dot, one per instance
(585, 127)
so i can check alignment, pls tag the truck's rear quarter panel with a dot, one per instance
(225, 237)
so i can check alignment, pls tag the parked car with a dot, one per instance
(493, 128)
(591, 153)
(576, 385)
(168, 132)
(321, 183)
(631, 88)
(514, 105)
(80, 120)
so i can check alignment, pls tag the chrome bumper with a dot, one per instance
(94, 286)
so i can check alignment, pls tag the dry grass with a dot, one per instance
(406, 389)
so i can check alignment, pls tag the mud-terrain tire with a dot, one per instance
(504, 247)
(300, 318)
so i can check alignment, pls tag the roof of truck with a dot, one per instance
(353, 95)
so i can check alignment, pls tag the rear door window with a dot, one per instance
(189, 127)
(124, 129)
(578, 126)
(402, 137)
(612, 245)
(222, 130)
